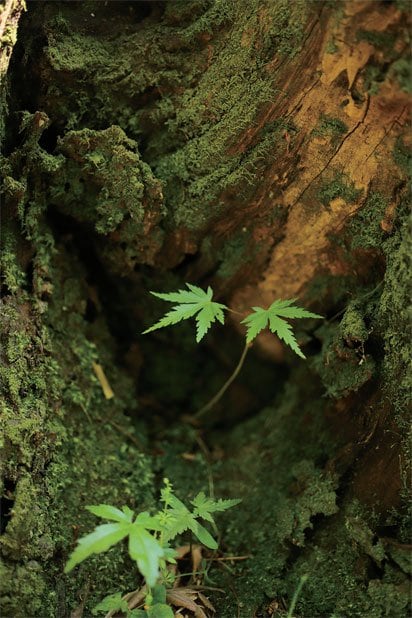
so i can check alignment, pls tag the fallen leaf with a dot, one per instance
(104, 383)
(187, 597)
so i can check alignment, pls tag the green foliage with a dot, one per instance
(272, 318)
(115, 603)
(143, 546)
(197, 301)
(191, 302)
(402, 155)
(155, 605)
(148, 545)
(178, 518)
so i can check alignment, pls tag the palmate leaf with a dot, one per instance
(183, 520)
(204, 506)
(180, 518)
(193, 302)
(272, 318)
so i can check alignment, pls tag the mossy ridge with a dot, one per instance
(60, 442)
(64, 454)
(393, 321)
(201, 108)
(298, 523)
(105, 184)
(272, 523)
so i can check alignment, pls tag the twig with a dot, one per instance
(228, 558)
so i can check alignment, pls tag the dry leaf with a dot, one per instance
(186, 597)
(196, 555)
(104, 383)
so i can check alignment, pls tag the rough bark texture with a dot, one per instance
(261, 147)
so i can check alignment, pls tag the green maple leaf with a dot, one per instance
(272, 318)
(180, 518)
(193, 302)
(183, 520)
(204, 506)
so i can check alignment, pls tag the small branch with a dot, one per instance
(225, 386)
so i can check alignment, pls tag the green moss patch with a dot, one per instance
(338, 186)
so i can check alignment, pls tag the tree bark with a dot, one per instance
(257, 146)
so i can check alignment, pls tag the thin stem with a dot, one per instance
(236, 312)
(225, 386)
(297, 592)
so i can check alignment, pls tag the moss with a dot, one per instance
(18, 583)
(63, 443)
(289, 513)
(14, 277)
(341, 561)
(234, 253)
(365, 230)
(402, 156)
(403, 5)
(402, 71)
(48, 431)
(99, 186)
(334, 128)
(342, 368)
(179, 85)
(189, 110)
(381, 40)
(340, 187)
(393, 322)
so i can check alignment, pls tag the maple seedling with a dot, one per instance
(198, 303)
(149, 538)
